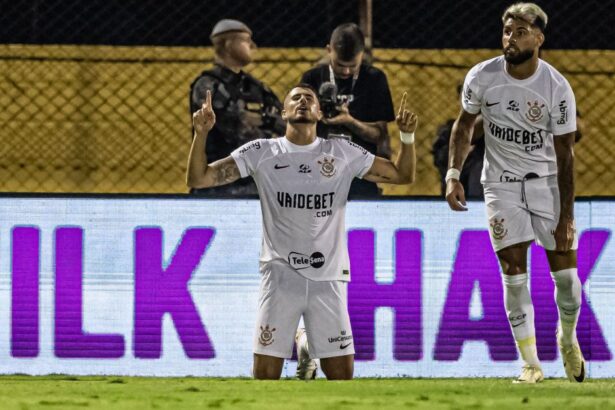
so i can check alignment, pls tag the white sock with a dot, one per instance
(520, 312)
(568, 300)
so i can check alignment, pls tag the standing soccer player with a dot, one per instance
(528, 109)
(303, 184)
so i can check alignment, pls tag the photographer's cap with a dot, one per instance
(227, 26)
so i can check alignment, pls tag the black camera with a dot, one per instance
(329, 100)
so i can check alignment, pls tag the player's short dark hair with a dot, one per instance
(347, 40)
(302, 85)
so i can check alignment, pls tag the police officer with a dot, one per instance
(245, 108)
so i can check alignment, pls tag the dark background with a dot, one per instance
(293, 23)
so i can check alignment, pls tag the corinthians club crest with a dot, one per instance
(327, 168)
(497, 228)
(266, 337)
(534, 111)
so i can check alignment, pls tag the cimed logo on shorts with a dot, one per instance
(266, 337)
(497, 228)
(301, 261)
(327, 168)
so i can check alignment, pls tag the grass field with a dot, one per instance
(67, 392)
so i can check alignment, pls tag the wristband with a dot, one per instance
(452, 173)
(406, 137)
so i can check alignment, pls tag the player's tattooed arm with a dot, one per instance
(224, 171)
(375, 176)
(564, 151)
(218, 173)
(384, 170)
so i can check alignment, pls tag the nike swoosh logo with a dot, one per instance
(492, 104)
(518, 324)
(277, 166)
(343, 346)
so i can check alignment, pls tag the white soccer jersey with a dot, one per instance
(303, 192)
(520, 118)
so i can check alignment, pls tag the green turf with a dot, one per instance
(67, 392)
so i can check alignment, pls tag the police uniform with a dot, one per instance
(245, 110)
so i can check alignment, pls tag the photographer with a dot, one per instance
(245, 108)
(354, 97)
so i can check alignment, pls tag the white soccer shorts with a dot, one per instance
(523, 211)
(284, 297)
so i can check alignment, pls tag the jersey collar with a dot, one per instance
(290, 147)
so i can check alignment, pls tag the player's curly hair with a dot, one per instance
(529, 12)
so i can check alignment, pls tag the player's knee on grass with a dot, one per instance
(267, 367)
(338, 368)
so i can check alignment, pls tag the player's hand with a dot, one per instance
(343, 118)
(406, 121)
(204, 119)
(564, 234)
(455, 195)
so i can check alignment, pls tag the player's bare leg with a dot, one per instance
(338, 368)
(519, 309)
(563, 266)
(513, 259)
(267, 367)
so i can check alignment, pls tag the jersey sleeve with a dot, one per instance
(248, 156)
(359, 159)
(471, 96)
(563, 111)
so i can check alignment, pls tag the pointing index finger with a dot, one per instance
(208, 98)
(402, 106)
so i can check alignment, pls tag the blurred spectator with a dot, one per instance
(354, 97)
(473, 166)
(245, 108)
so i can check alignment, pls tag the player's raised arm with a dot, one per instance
(199, 173)
(403, 170)
(461, 137)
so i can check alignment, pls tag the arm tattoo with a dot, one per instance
(379, 176)
(226, 173)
